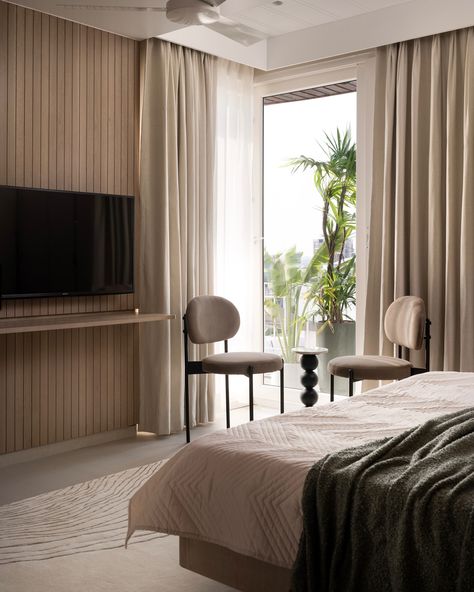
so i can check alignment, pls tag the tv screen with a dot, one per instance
(64, 243)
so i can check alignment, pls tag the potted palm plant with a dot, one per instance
(331, 294)
(287, 304)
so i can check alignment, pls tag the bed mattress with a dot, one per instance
(241, 488)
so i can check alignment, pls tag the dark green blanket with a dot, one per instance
(392, 516)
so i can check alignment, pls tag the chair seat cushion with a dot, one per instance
(240, 362)
(370, 367)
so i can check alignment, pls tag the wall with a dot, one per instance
(68, 120)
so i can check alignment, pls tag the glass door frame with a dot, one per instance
(360, 67)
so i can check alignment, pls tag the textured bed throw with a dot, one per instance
(395, 515)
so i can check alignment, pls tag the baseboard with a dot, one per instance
(13, 458)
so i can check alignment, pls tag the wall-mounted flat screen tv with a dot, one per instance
(62, 243)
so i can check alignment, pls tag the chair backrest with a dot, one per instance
(211, 318)
(405, 322)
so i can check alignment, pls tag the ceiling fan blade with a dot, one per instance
(237, 32)
(111, 7)
(214, 3)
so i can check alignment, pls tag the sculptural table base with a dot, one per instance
(309, 363)
(309, 379)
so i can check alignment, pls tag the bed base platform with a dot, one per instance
(233, 569)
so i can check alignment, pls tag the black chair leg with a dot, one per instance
(332, 389)
(251, 395)
(186, 406)
(227, 402)
(282, 390)
(351, 383)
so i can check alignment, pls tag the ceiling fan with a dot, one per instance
(190, 12)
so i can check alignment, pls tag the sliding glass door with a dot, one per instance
(309, 223)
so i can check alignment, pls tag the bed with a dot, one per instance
(234, 496)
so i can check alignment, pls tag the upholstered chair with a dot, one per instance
(405, 325)
(210, 319)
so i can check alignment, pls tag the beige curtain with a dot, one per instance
(177, 211)
(422, 213)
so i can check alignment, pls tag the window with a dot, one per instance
(309, 197)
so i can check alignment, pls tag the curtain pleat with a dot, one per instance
(238, 258)
(422, 212)
(177, 203)
(467, 212)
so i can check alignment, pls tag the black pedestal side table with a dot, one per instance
(309, 363)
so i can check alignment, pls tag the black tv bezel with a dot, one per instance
(75, 294)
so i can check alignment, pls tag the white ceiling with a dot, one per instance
(298, 30)
(294, 15)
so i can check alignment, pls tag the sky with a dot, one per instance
(291, 204)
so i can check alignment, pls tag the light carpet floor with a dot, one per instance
(73, 540)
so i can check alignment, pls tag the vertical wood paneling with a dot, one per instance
(29, 37)
(130, 341)
(124, 147)
(96, 378)
(60, 385)
(68, 101)
(117, 393)
(83, 123)
(74, 68)
(123, 376)
(97, 107)
(111, 112)
(20, 98)
(75, 384)
(104, 111)
(19, 392)
(103, 379)
(44, 100)
(60, 109)
(10, 387)
(67, 385)
(35, 389)
(53, 110)
(117, 110)
(68, 120)
(27, 390)
(10, 83)
(89, 109)
(82, 373)
(3, 89)
(36, 116)
(43, 394)
(110, 379)
(51, 386)
(89, 381)
(3, 391)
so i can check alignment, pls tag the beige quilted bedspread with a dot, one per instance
(241, 488)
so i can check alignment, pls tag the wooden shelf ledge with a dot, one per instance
(78, 321)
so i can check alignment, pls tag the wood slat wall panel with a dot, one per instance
(3, 392)
(10, 392)
(68, 120)
(3, 88)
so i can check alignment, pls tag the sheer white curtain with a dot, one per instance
(237, 244)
